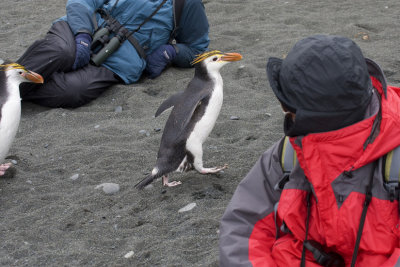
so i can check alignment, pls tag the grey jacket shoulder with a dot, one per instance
(253, 200)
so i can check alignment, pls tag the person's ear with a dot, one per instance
(286, 111)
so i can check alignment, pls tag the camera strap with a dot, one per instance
(323, 258)
(368, 197)
(124, 33)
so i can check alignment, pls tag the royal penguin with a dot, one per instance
(11, 75)
(195, 111)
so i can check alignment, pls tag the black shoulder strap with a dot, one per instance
(132, 40)
(368, 197)
(151, 15)
(178, 7)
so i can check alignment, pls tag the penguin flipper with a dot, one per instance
(169, 102)
(188, 109)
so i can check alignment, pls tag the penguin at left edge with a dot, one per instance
(11, 76)
(194, 113)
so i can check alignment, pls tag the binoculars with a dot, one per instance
(323, 258)
(102, 46)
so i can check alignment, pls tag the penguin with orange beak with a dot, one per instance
(195, 111)
(11, 75)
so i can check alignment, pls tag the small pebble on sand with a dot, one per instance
(74, 177)
(118, 109)
(144, 132)
(129, 254)
(149, 186)
(188, 207)
(108, 188)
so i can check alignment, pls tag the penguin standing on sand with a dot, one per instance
(192, 118)
(11, 75)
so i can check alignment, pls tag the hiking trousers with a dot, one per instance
(53, 57)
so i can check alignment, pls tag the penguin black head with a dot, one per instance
(212, 61)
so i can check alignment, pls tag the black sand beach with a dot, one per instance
(53, 211)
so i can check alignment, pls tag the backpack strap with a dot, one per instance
(178, 7)
(288, 156)
(391, 172)
(287, 159)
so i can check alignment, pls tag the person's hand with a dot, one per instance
(159, 59)
(82, 55)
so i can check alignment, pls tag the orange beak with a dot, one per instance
(33, 77)
(231, 57)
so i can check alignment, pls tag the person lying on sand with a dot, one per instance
(100, 43)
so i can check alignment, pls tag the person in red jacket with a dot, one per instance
(333, 209)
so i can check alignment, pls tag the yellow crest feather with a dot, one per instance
(11, 66)
(205, 55)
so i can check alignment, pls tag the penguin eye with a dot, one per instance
(215, 59)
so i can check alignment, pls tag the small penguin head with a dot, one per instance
(214, 60)
(19, 74)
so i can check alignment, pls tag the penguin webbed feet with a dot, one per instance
(169, 184)
(213, 169)
(4, 167)
(150, 178)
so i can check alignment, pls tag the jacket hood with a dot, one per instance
(331, 153)
(325, 81)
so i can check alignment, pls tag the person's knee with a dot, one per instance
(63, 52)
(59, 43)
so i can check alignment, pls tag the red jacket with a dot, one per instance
(336, 168)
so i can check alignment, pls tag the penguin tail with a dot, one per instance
(148, 179)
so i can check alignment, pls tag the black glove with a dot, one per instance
(159, 59)
(82, 55)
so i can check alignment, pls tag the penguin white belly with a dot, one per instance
(204, 126)
(10, 117)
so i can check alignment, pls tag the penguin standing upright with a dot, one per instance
(191, 120)
(11, 75)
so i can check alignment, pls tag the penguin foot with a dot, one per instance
(213, 170)
(4, 167)
(170, 184)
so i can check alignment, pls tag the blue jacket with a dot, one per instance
(192, 36)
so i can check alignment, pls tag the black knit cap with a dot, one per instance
(325, 81)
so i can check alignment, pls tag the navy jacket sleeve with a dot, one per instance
(192, 35)
(79, 14)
